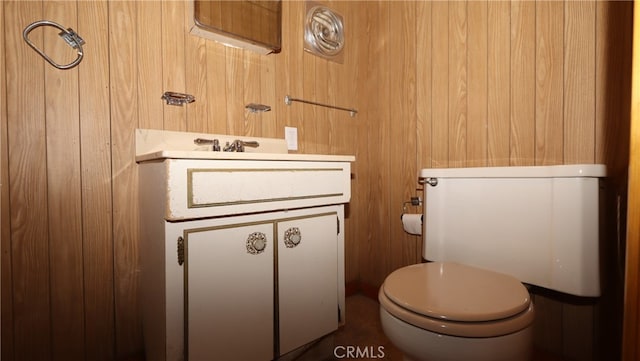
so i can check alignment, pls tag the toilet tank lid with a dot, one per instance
(550, 171)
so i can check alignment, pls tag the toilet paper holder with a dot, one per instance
(415, 201)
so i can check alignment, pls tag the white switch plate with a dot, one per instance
(291, 136)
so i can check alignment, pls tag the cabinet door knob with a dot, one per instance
(292, 237)
(256, 243)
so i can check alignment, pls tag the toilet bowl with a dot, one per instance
(449, 311)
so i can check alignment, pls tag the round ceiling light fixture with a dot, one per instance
(323, 32)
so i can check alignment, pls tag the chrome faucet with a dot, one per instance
(238, 145)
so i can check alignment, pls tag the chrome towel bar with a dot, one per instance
(288, 100)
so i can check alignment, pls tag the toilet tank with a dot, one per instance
(539, 224)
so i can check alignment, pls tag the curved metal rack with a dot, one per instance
(70, 37)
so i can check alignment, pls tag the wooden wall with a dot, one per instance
(498, 83)
(437, 84)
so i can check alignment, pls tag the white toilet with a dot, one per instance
(485, 231)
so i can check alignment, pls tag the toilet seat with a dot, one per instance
(457, 300)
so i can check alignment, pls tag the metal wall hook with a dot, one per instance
(68, 35)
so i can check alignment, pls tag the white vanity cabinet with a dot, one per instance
(240, 259)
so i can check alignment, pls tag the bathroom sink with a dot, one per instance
(204, 183)
(160, 144)
(205, 154)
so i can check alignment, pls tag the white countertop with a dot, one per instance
(201, 154)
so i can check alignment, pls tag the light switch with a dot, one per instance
(291, 136)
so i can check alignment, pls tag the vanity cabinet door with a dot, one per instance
(229, 292)
(307, 279)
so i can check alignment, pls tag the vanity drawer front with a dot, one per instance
(215, 188)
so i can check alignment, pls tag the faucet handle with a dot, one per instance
(215, 143)
(238, 145)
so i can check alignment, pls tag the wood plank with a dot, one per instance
(283, 61)
(27, 185)
(499, 82)
(380, 146)
(235, 94)
(296, 69)
(424, 92)
(549, 83)
(216, 88)
(440, 101)
(457, 83)
(522, 136)
(321, 122)
(150, 58)
(95, 128)
(64, 190)
(403, 124)
(307, 131)
(6, 311)
(268, 121)
(367, 154)
(424, 96)
(477, 122)
(124, 120)
(343, 127)
(579, 82)
(173, 62)
(614, 26)
(251, 84)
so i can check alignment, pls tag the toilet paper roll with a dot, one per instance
(412, 223)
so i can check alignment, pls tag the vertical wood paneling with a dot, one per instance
(522, 151)
(402, 109)
(173, 60)
(369, 108)
(150, 59)
(613, 65)
(252, 85)
(380, 145)
(95, 145)
(549, 80)
(64, 191)
(423, 97)
(235, 93)
(307, 131)
(344, 126)
(196, 78)
(124, 176)
(6, 311)
(268, 120)
(216, 69)
(296, 71)
(579, 82)
(424, 105)
(28, 185)
(477, 83)
(499, 82)
(440, 76)
(457, 83)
